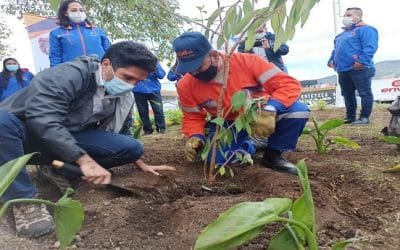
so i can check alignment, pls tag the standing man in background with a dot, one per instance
(264, 47)
(149, 91)
(352, 59)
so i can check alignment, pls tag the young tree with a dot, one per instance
(241, 19)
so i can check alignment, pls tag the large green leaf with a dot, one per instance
(68, 216)
(302, 211)
(391, 139)
(330, 124)
(306, 11)
(218, 120)
(238, 100)
(346, 142)
(277, 22)
(10, 170)
(241, 223)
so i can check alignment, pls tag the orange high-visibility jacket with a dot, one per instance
(247, 71)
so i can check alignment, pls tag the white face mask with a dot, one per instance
(347, 21)
(77, 16)
(260, 35)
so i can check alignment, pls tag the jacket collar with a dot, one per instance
(83, 24)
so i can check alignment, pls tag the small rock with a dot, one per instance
(160, 234)
(57, 244)
(106, 203)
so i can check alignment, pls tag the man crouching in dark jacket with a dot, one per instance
(74, 112)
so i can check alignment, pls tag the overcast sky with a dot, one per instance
(311, 46)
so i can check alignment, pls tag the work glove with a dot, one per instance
(192, 147)
(264, 125)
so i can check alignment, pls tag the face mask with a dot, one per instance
(117, 86)
(12, 67)
(208, 74)
(259, 36)
(77, 16)
(347, 21)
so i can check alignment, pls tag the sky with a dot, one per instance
(311, 46)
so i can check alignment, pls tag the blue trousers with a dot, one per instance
(289, 126)
(359, 80)
(142, 102)
(107, 148)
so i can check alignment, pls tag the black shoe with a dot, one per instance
(148, 132)
(348, 120)
(273, 159)
(161, 131)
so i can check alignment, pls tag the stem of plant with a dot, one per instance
(311, 238)
(24, 200)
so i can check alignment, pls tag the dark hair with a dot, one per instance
(355, 8)
(130, 53)
(63, 20)
(5, 74)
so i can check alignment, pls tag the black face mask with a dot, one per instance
(208, 74)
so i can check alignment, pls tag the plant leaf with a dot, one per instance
(238, 100)
(392, 169)
(391, 139)
(10, 170)
(68, 216)
(302, 211)
(341, 245)
(346, 142)
(218, 120)
(241, 223)
(307, 130)
(330, 124)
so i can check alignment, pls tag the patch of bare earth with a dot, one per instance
(353, 197)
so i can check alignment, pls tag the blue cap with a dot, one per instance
(191, 48)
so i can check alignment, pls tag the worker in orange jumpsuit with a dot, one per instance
(281, 118)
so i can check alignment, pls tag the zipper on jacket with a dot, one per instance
(82, 41)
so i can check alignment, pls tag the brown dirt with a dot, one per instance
(353, 197)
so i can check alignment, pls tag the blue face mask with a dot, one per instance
(12, 67)
(117, 86)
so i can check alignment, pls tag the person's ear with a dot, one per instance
(214, 55)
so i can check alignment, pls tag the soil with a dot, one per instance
(353, 198)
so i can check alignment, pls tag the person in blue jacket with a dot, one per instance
(351, 57)
(13, 78)
(264, 47)
(172, 75)
(76, 36)
(147, 91)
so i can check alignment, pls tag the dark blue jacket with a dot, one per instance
(274, 57)
(356, 44)
(172, 76)
(13, 85)
(68, 43)
(151, 84)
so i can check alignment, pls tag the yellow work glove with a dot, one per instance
(264, 125)
(192, 147)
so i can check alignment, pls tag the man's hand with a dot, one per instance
(92, 171)
(192, 147)
(357, 66)
(265, 44)
(264, 125)
(152, 169)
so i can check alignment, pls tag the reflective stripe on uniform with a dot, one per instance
(294, 115)
(195, 109)
(268, 74)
